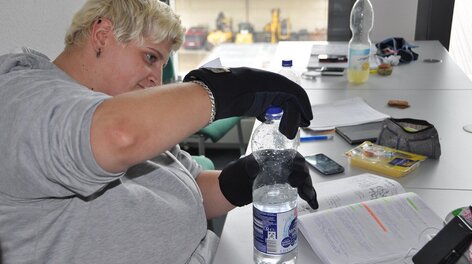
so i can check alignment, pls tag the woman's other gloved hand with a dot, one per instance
(237, 178)
(249, 92)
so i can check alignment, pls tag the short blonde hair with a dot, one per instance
(133, 20)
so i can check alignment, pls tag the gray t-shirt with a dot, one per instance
(58, 206)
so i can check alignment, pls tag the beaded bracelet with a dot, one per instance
(212, 99)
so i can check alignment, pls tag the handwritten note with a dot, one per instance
(384, 230)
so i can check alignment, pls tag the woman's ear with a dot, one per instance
(100, 33)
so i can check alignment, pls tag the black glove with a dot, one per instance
(249, 92)
(237, 178)
(301, 179)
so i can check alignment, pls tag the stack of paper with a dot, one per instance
(353, 111)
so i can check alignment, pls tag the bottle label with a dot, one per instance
(275, 233)
(359, 59)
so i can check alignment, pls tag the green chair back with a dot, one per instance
(205, 162)
(168, 73)
(216, 130)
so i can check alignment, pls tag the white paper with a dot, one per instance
(384, 230)
(354, 189)
(352, 111)
(215, 63)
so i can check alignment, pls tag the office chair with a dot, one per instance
(205, 162)
(168, 73)
(216, 130)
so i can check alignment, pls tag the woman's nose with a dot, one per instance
(155, 79)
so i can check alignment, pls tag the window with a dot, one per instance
(461, 41)
(211, 23)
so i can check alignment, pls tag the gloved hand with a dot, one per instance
(237, 178)
(249, 92)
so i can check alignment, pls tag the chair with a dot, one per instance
(168, 73)
(205, 162)
(216, 130)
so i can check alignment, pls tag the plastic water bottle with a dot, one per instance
(288, 72)
(274, 200)
(362, 22)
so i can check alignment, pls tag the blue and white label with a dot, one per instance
(359, 59)
(275, 233)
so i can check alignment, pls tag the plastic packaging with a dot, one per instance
(383, 159)
(361, 24)
(288, 72)
(274, 200)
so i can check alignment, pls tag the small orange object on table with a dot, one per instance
(384, 69)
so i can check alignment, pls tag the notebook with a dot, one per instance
(357, 134)
(331, 48)
(346, 112)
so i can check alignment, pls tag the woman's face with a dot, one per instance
(133, 67)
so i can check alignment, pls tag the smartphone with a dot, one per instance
(332, 71)
(324, 164)
(310, 75)
(332, 58)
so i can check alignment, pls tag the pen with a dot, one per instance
(316, 137)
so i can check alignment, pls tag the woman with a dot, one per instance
(72, 127)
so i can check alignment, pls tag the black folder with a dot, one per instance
(356, 134)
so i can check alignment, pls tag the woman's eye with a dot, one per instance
(151, 59)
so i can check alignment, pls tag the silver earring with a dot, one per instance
(99, 52)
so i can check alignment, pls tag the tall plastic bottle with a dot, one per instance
(274, 200)
(288, 71)
(362, 22)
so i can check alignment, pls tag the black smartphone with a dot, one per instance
(332, 71)
(332, 58)
(324, 164)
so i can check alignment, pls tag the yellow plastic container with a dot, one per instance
(389, 161)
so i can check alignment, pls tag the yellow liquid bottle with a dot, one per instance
(361, 23)
(358, 69)
(357, 76)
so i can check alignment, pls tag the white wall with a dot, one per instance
(38, 24)
(394, 18)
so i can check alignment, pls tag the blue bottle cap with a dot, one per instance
(274, 110)
(286, 63)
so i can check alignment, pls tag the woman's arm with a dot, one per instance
(132, 127)
(136, 126)
(213, 199)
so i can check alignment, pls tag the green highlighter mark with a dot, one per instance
(412, 204)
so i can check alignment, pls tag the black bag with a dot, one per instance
(411, 135)
(397, 46)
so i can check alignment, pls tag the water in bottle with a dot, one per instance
(362, 22)
(274, 200)
(288, 72)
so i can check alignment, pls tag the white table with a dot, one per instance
(448, 110)
(416, 75)
(442, 95)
